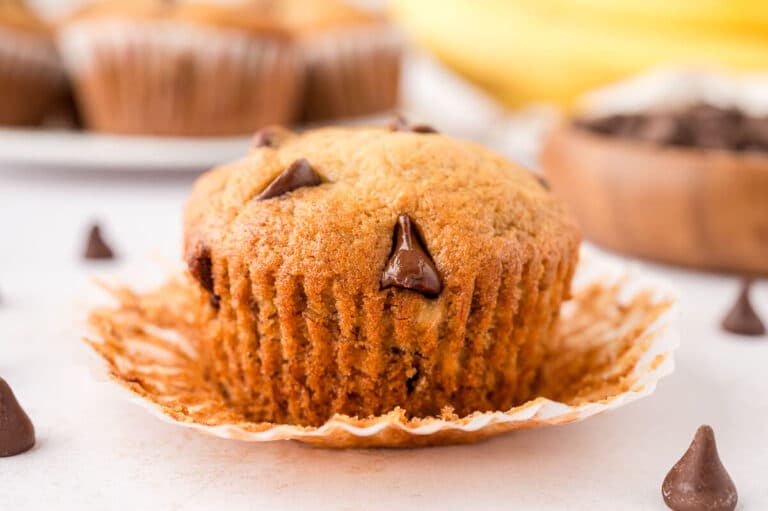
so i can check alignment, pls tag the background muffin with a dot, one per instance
(31, 79)
(180, 68)
(353, 271)
(352, 58)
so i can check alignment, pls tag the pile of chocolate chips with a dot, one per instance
(698, 125)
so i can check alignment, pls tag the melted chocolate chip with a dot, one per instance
(96, 247)
(271, 136)
(17, 434)
(400, 123)
(742, 318)
(699, 482)
(201, 269)
(410, 266)
(298, 175)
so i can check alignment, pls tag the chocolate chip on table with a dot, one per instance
(410, 266)
(201, 269)
(17, 434)
(742, 318)
(699, 481)
(96, 247)
(299, 174)
(400, 123)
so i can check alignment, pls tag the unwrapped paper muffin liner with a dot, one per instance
(351, 72)
(170, 78)
(31, 77)
(613, 342)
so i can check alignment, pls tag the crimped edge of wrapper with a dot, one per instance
(657, 342)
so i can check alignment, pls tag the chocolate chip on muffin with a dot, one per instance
(271, 136)
(400, 123)
(410, 266)
(201, 268)
(298, 175)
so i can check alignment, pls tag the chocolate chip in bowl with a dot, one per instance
(699, 125)
(685, 185)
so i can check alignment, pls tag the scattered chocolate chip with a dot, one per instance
(698, 125)
(271, 136)
(96, 247)
(299, 174)
(400, 123)
(699, 481)
(742, 318)
(410, 266)
(201, 269)
(17, 434)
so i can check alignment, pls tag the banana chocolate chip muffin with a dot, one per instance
(351, 58)
(357, 270)
(31, 77)
(182, 67)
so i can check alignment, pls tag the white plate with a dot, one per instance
(54, 150)
(64, 150)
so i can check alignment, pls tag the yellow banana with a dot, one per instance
(717, 15)
(524, 51)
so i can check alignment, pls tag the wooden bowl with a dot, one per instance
(695, 207)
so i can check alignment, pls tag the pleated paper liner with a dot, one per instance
(614, 341)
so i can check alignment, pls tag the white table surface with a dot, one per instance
(97, 451)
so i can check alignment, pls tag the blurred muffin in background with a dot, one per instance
(352, 58)
(31, 78)
(194, 68)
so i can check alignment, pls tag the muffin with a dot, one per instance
(190, 68)
(354, 271)
(351, 57)
(30, 72)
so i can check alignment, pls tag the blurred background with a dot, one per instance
(646, 116)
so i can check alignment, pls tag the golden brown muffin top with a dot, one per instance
(245, 15)
(16, 15)
(470, 206)
(305, 17)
